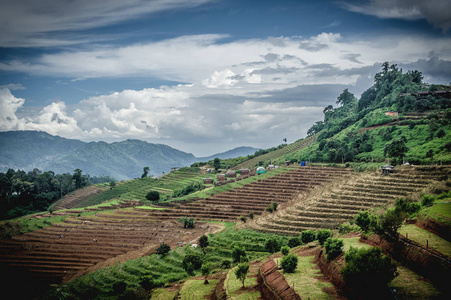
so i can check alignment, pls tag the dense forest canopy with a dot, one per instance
(28, 192)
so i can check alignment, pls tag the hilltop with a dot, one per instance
(27, 150)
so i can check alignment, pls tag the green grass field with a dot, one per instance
(420, 236)
(196, 289)
(410, 285)
(234, 286)
(306, 279)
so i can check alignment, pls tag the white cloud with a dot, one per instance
(8, 108)
(245, 92)
(437, 12)
(46, 23)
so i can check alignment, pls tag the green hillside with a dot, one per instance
(359, 130)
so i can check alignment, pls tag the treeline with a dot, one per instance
(22, 193)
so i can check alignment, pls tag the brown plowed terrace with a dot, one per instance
(82, 244)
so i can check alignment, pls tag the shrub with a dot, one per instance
(333, 247)
(347, 228)
(226, 264)
(272, 245)
(238, 254)
(274, 205)
(194, 259)
(163, 249)
(188, 222)
(289, 263)
(203, 242)
(322, 235)
(242, 219)
(147, 282)
(308, 236)
(269, 208)
(294, 242)
(285, 250)
(391, 222)
(251, 215)
(241, 272)
(153, 196)
(365, 220)
(427, 200)
(368, 270)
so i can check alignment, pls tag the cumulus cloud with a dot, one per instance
(8, 108)
(437, 12)
(244, 92)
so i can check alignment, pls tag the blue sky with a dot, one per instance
(204, 76)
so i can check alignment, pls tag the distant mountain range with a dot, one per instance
(26, 150)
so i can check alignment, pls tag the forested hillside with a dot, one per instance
(400, 118)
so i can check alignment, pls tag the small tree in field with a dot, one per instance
(206, 269)
(322, 235)
(308, 236)
(289, 263)
(203, 242)
(285, 250)
(153, 196)
(163, 249)
(368, 271)
(334, 247)
(238, 254)
(241, 272)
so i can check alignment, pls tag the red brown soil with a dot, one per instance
(77, 196)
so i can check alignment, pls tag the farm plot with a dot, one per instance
(334, 204)
(255, 196)
(81, 244)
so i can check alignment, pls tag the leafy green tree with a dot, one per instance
(206, 269)
(238, 254)
(294, 242)
(396, 148)
(333, 247)
(307, 236)
(367, 271)
(392, 221)
(145, 172)
(365, 220)
(285, 250)
(289, 263)
(194, 259)
(188, 222)
(251, 215)
(153, 196)
(272, 245)
(78, 178)
(241, 272)
(322, 235)
(203, 242)
(346, 98)
(112, 184)
(216, 164)
(163, 249)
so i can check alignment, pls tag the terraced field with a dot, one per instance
(250, 164)
(329, 206)
(255, 197)
(78, 244)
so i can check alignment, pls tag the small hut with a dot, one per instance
(244, 171)
(221, 177)
(387, 169)
(231, 174)
(208, 181)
